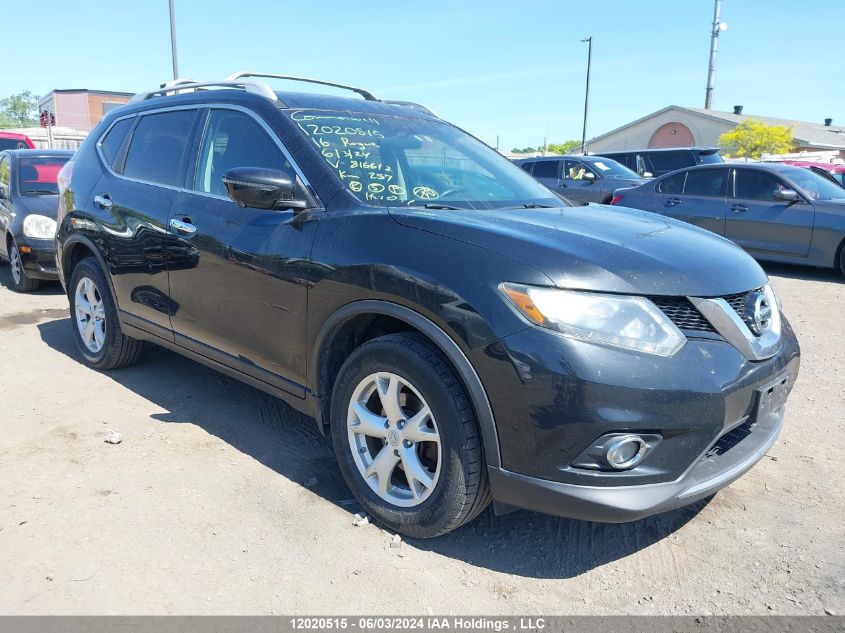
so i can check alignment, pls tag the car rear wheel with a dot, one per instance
(20, 282)
(407, 439)
(94, 316)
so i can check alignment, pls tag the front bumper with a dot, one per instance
(552, 397)
(619, 504)
(40, 261)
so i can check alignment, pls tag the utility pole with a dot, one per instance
(173, 41)
(589, 41)
(717, 28)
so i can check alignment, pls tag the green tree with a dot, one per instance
(19, 110)
(524, 150)
(564, 148)
(752, 139)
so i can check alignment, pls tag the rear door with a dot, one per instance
(132, 203)
(761, 223)
(703, 201)
(239, 281)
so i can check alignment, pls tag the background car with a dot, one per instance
(651, 163)
(581, 178)
(13, 140)
(776, 212)
(28, 205)
(834, 171)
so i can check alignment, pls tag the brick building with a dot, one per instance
(81, 109)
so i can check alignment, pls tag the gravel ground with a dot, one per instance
(222, 500)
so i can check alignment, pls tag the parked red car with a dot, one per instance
(831, 169)
(13, 140)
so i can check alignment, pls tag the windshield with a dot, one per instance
(819, 187)
(612, 169)
(390, 160)
(37, 175)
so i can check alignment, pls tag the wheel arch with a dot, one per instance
(75, 249)
(357, 322)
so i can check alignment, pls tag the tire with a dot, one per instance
(103, 346)
(20, 282)
(842, 258)
(454, 467)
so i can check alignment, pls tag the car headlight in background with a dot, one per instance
(633, 323)
(39, 227)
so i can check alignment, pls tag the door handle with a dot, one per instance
(103, 201)
(183, 226)
(673, 202)
(739, 208)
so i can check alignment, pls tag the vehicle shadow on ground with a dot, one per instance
(269, 431)
(47, 288)
(808, 273)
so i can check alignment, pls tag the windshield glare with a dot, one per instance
(389, 160)
(819, 187)
(612, 169)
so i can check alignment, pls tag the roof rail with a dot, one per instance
(178, 85)
(364, 93)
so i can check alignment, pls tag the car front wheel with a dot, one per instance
(20, 282)
(94, 316)
(406, 437)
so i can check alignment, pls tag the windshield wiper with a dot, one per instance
(39, 192)
(443, 207)
(531, 205)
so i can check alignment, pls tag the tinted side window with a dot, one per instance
(547, 169)
(670, 161)
(157, 147)
(672, 184)
(10, 143)
(706, 182)
(111, 143)
(233, 139)
(755, 185)
(527, 166)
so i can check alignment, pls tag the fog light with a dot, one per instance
(625, 452)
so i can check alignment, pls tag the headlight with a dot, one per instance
(633, 323)
(39, 227)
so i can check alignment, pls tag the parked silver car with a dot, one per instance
(776, 212)
(581, 178)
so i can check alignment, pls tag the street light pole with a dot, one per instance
(589, 41)
(718, 27)
(173, 41)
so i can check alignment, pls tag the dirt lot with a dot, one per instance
(222, 500)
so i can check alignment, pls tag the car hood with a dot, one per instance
(602, 248)
(47, 205)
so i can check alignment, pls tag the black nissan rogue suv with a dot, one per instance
(461, 332)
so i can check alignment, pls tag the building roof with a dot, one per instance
(808, 134)
(110, 93)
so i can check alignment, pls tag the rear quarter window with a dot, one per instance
(672, 184)
(111, 143)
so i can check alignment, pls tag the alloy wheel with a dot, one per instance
(90, 315)
(394, 439)
(15, 263)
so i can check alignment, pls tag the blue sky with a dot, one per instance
(493, 67)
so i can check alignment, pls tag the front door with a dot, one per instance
(760, 222)
(5, 201)
(239, 281)
(580, 182)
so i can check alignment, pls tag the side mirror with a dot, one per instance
(2, 192)
(787, 195)
(260, 188)
(588, 175)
